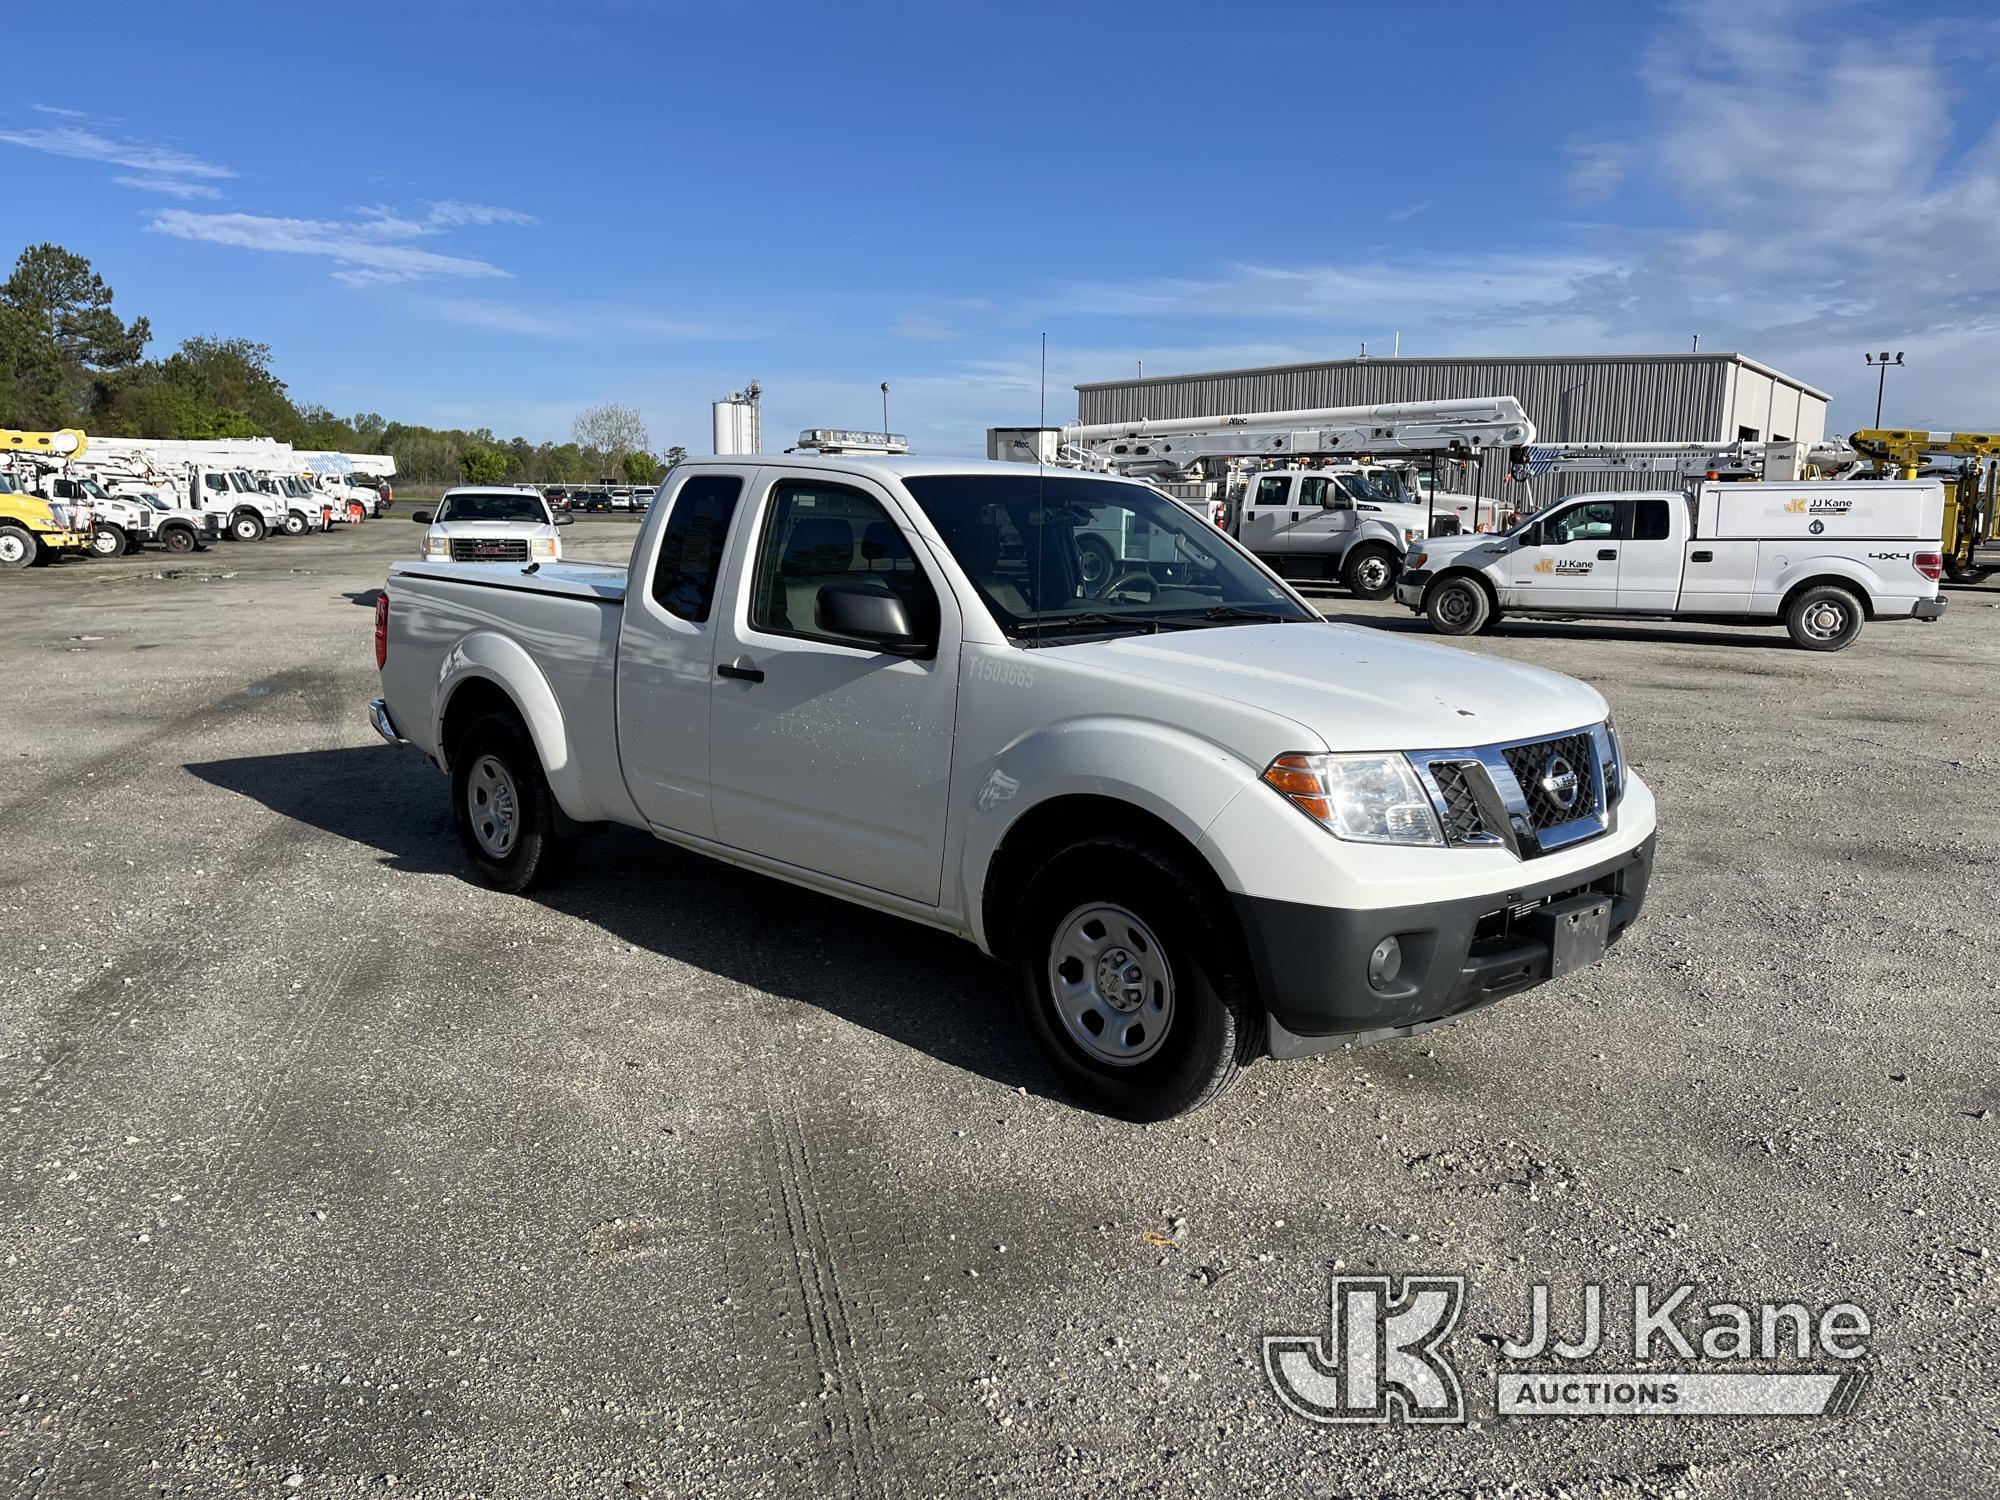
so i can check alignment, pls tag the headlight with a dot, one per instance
(1367, 799)
(1614, 765)
(1419, 559)
(437, 546)
(542, 546)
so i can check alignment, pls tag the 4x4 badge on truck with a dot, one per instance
(1560, 782)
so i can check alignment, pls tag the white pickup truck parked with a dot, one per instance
(1823, 558)
(492, 523)
(1200, 822)
(1329, 523)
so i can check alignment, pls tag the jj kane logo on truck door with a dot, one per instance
(1819, 505)
(1564, 565)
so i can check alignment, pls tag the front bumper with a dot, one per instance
(1312, 962)
(1410, 588)
(64, 541)
(1928, 609)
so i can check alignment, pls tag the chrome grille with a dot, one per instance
(1462, 821)
(489, 549)
(1537, 768)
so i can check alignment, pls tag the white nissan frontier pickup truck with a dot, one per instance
(1201, 823)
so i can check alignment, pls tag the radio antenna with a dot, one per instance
(1042, 417)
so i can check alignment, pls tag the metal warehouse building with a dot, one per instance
(1612, 398)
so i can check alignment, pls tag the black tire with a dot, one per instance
(107, 541)
(1825, 618)
(1370, 570)
(178, 539)
(247, 526)
(296, 523)
(1211, 1022)
(535, 854)
(1960, 573)
(1458, 606)
(1096, 564)
(17, 547)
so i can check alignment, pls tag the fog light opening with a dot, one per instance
(1385, 963)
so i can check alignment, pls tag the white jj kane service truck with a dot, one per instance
(1822, 558)
(1199, 821)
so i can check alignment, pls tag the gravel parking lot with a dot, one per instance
(326, 1169)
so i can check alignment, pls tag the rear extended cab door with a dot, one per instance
(830, 755)
(1653, 554)
(1270, 510)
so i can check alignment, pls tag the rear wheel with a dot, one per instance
(107, 541)
(1825, 618)
(505, 812)
(1128, 982)
(1457, 606)
(1095, 562)
(1961, 573)
(1370, 571)
(17, 547)
(178, 539)
(247, 527)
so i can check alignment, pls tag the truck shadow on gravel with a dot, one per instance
(1765, 638)
(910, 984)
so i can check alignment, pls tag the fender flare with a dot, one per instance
(1187, 783)
(487, 656)
(1839, 570)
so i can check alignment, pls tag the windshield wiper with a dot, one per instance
(1235, 613)
(1089, 619)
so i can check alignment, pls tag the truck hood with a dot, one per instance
(1472, 551)
(1355, 689)
(491, 528)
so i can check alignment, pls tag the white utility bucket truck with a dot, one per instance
(1312, 504)
(1821, 557)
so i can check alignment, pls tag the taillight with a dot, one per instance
(1930, 564)
(381, 629)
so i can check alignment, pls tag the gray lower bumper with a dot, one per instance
(378, 715)
(1928, 609)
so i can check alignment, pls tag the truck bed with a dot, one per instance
(602, 582)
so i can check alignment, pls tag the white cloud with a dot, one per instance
(57, 109)
(452, 212)
(173, 187)
(139, 156)
(1408, 213)
(366, 253)
(584, 325)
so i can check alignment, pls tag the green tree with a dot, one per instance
(62, 336)
(484, 465)
(641, 468)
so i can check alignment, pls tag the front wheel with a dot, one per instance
(505, 812)
(17, 547)
(1128, 982)
(1370, 572)
(1457, 606)
(178, 539)
(107, 541)
(296, 523)
(247, 527)
(1824, 619)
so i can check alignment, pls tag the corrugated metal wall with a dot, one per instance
(1648, 398)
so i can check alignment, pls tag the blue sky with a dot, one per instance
(473, 212)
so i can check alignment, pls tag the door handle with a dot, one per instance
(1607, 554)
(740, 670)
(1701, 557)
(1295, 515)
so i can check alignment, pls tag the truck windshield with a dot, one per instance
(7, 485)
(1377, 487)
(1055, 558)
(491, 507)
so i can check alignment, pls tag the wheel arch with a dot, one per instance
(1452, 574)
(1819, 575)
(488, 673)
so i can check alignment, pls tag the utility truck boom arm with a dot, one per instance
(1172, 444)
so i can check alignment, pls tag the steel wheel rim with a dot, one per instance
(1455, 605)
(1373, 572)
(494, 806)
(12, 548)
(1825, 619)
(103, 543)
(1093, 566)
(1112, 985)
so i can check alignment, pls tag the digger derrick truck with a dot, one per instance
(1971, 489)
(33, 530)
(1312, 504)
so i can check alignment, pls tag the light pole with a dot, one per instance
(1880, 364)
(885, 411)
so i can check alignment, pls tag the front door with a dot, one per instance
(827, 753)
(1268, 513)
(1568, 559)
(1325, 521)
(666, 652)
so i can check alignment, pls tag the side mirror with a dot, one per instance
(421, 517)
(1337, 502)
(867, 612)
(565, 520)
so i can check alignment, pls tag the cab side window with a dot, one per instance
(1274, 489)
(691, 546)
(818, 534)
(1592, 521)
(1650, 521)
